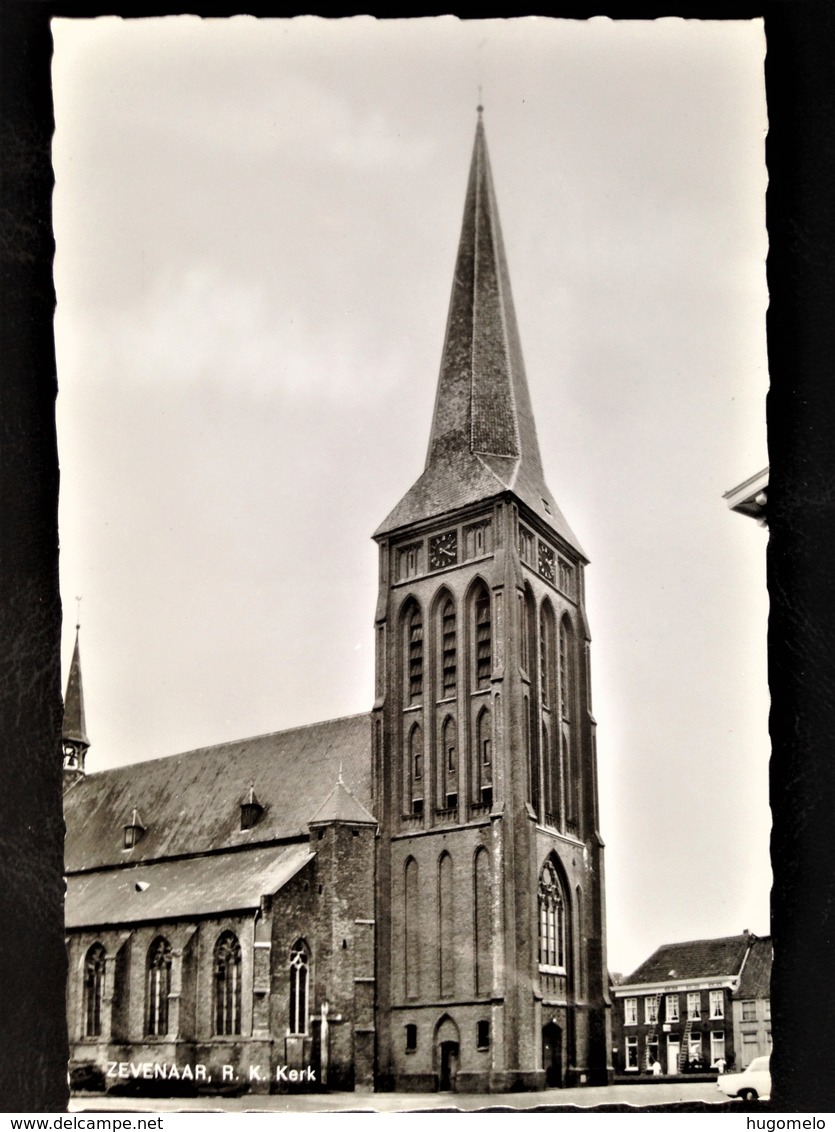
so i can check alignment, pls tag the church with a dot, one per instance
(409, 899)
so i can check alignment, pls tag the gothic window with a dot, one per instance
(566, 668)
(227, 985)
(551, 817)
(566, 580)
(531, 757)
(546, 654)
(158, 987)
(414, 770)
(571, 784)
(524, 636)
(551, 919)
(526, 545)
(449, 661)
(446, 920)
(409, 561)
(483, 762)
(94, 969)
(483, 640)
(414, 655)
(410, 925)
(482, 922)
(477, 539)
(449, 755)
(299, 977)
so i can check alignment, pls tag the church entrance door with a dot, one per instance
(552, 1055)
(449, 1067)
(446, 1054)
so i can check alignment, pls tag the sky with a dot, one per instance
(256, 224)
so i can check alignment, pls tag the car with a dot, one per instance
(753, 1083)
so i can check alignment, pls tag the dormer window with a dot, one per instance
(251, 809)
(134, 831)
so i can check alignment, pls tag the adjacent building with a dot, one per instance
(410, 899)
(752, 1004)
(680, 1007)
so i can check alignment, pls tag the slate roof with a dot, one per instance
(168, 890)
(190, 803)
(756, 975)
(74, 725)
(342, 806)
(696, 959)
(483, 440)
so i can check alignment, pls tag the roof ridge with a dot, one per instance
(228, 743)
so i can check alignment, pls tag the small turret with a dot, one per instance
(74, 741)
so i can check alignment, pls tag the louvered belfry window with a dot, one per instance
(484, 643)
(415, 656)
(449, 658)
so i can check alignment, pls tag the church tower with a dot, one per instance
(491, 960)
(74, 741)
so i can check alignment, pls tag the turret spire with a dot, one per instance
(74, 731)
(483, 439)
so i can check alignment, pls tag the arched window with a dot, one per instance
(299, 978)
(483, 640)
(482, 922)
(94, 969)
(524, 635)
(482, 776)
(566, 668)
(449, 651)
(572, 785)
(546, 653)
(414, 770)
(227, 984)
(414, 656)
(531, 756)
(449, 762)
(410, 928)
(158, 988)
(446, 921)
(551, 919)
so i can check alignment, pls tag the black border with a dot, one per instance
(801, 328)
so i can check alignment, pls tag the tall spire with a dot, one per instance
(483, 439)
(74, 731)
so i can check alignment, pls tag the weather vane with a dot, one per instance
(77, 612)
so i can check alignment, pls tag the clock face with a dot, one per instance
(546, 562)
(443, 550)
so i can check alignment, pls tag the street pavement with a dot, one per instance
(627, 1096)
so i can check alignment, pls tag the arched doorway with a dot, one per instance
(446, 1054)
(552, 1055)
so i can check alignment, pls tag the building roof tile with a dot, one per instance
(164, 890)
(695, 959)
(190, 803)
(755, 981)
(483, 440)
